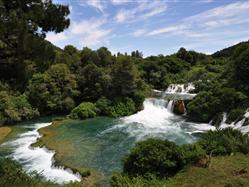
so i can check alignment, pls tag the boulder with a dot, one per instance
(179, 107)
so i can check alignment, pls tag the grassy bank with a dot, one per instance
(4, 132)
(223, 171)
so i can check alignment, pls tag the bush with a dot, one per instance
(154, 157)
(122, 107)
(224, 142)
(103, 106)
(83, 111)
(160, 158)
(192, 153)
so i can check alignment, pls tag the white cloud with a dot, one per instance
(207, 1)
(90, 33)
(53, 38)
(214, 19)
(165, 30)
(143, 10)
(97, 4)
(119, 2)
(138, 33)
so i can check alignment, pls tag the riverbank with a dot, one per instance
(4, 132)
(64, 150)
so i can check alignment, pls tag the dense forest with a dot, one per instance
(39, 79)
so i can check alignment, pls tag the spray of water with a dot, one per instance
(38, 159)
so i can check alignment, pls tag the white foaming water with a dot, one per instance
(40, 160)
(236, 125)
(157, 120)
(180, 88)
(179, 92)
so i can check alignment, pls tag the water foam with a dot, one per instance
(236, 124)
(157, 120)
(40, 160)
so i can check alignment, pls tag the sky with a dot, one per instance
(154, 26)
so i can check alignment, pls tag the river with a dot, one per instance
(99, 143)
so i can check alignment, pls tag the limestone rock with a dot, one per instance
(179, 107)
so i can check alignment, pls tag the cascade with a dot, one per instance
(236, 124)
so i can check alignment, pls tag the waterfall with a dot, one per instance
(157, 120)
(170, 106)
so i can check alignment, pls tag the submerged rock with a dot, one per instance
(179, 107)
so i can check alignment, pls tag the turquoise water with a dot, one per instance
(100, 144)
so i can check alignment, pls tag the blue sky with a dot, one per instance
(155, 26)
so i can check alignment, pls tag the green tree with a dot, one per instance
(53, 91)
(93, 82)
(21, 21)
(124, 77)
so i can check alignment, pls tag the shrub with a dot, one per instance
(192, 153)
(160, 158)
(83, 111)
(103, 106)
(224, 142)
(122, 107)
(154, 157)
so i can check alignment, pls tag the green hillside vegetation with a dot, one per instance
(50, 80)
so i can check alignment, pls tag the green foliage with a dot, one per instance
(154, 156)
(160, 158)
(54, 90)
(218, 99)
(122, 107)
(93, 82)
(103, 105)
(192, 153)
(124, 77)
(23, 26)
(15, 108)
(122, 180)
(241, 63)
(235, 115)
(224, 142)
(83, 111)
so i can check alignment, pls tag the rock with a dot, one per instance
(179, 107)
